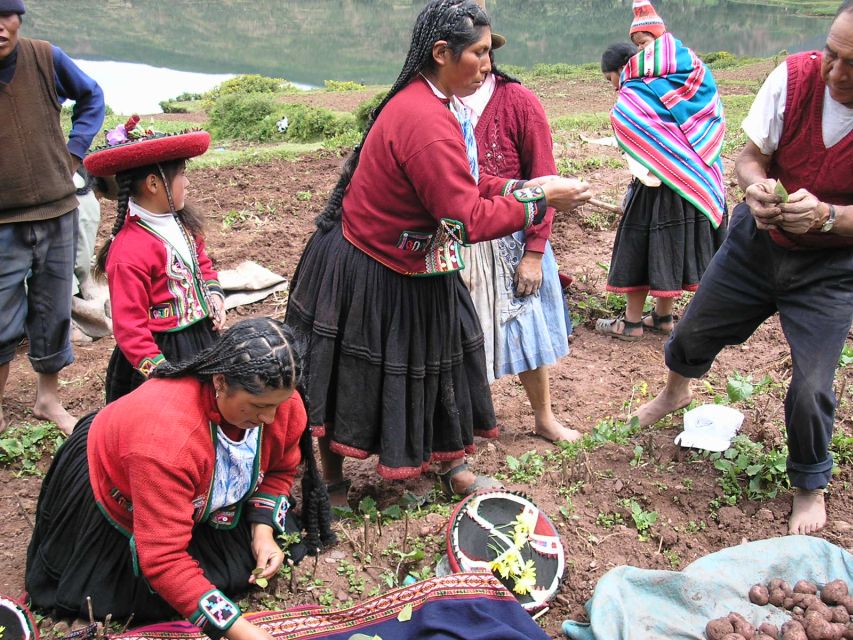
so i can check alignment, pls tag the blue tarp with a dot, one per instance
(642, 604)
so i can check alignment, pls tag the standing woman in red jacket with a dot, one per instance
(170, 498)
(165, 296)
(396, 364)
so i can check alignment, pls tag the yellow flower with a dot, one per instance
(526, 580)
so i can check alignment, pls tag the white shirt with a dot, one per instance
(764, 122)
(166, 226)
(478, 100)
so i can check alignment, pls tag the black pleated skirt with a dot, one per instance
(663, 243)
(177, 346)
(75, 552)
(395, 364)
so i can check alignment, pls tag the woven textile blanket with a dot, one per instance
(462, 606)
(669, 117)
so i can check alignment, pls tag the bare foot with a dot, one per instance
(338, 492)
(808, 514)
(664, 403)
(3, 423)
(553, 431)
(56, 414)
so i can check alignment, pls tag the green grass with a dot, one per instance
(804, 7)
(254, 155)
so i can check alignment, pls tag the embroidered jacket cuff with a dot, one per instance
(535, 204)
(511, 186)
(215, 614)
(264, 508)
(147, 365)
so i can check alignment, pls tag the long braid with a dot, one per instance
(125, 190)
(256, 355)
(439, 20)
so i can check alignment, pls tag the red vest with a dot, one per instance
(802, 161)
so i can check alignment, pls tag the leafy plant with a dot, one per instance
(23, 446)
(364, 111)
(740, 388)
(609, 520)
(347, 85)
(747, 468)
(643, 519)
(527, 467)
(846, 358)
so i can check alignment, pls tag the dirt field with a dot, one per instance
(264, 213)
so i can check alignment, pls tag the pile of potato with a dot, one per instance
(814, 616)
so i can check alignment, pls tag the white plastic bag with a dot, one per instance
(710, 427)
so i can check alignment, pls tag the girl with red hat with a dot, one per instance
(164, 293)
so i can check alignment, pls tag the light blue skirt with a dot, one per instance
(521, 333)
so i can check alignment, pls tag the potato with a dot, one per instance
(793, 630)
(839, 614)
(741, 625)
(807, 600)
(777, 597)
(819, 629)
(769, 629)
(821, 609)
(788, 603)
(733, 636)
(763, 636)
(848, 631)
(804, 586)
(718, 628)
(847, 603)
(759, 594)
(833, 592)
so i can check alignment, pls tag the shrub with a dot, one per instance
(719, 59)
(243, 117)
(307, 124)
(246, 84)
(363, 111)
(335, 85)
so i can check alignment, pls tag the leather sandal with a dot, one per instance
(608, 328)
(657, 321)
(480, 483)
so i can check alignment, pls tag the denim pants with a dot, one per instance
(35, 290)
(750, 279)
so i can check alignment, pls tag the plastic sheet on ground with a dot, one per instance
(249, 282)
(642, 604)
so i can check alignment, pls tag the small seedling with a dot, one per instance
(780, 191)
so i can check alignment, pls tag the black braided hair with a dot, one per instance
(129, 185)
(257, 355)
(617, 56)
(460, 23)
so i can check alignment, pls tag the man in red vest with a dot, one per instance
(792, 255)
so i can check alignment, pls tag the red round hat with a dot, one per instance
(146, 150)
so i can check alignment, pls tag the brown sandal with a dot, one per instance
(608, 328)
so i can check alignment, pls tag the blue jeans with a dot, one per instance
(35, 290)
(749, 280)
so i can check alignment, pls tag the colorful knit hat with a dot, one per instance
(12, 6)
(129, 147)
(646, 19)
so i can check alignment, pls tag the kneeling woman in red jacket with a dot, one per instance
(169, 498)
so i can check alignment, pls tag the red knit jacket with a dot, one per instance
(151, 462)
(413, 189)
(514, 139)
(802, 161)
(153, 290)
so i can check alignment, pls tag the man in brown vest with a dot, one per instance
(792, 256)
(38, 206)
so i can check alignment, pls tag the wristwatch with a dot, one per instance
(830, 221)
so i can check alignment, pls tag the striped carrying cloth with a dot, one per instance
(669, 118)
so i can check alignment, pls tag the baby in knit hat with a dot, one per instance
(647, 24)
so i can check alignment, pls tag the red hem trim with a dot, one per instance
(691, 287)
(318, 430)
(494, 432)
(446, 456)
(665, 294)
(349, 452)
(642, 287)
(398, 473)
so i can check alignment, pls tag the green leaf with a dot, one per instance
(263, 583)
(780, 191)
(393, 512)
(257, 571)
(362, 636)
(405, 613)
(367, 506)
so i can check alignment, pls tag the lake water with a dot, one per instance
(308, 41)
